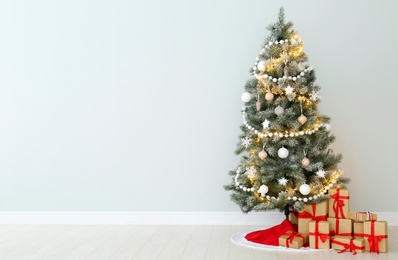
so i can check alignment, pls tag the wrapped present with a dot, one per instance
(311, 212)
(319, 235)
(292, 240)
(376, 237)
(350, 244)
(339, 203)
(293, 217)
(358, 229)
(340, 226)
(362, 216)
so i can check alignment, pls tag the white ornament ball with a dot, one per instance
(279, 110)
(269, 96)
(246, 97)
(305, 189)
(261, 66)
(328, 127)
(305, 162)
(263, 190)
(283, 152)
(262, 154)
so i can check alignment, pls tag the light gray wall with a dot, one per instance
(135, 105)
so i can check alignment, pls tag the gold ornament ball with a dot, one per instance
(262, 154)
(305, 162)
(269, 96)
(302, 119)
(258, 105)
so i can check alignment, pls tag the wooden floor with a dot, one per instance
(149, 243)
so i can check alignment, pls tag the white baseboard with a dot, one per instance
(155, 218)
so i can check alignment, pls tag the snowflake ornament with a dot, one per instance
(266, 124)
(321, 173)
(315, 96)
(289, 90)
(251, 172)
(282, 181)
(246, 141)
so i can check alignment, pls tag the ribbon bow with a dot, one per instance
(368, 217)
(338, 203)
(374, 243)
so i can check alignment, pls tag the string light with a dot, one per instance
(332, 181)
(271, 64)
(293, 78)
(265, 134)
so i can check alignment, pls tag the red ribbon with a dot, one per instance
(358, 234)
(374, 240)
(337, 232)
(349, 246)
(291, 236)
(322, 236)
(312, 216)
(338, 203)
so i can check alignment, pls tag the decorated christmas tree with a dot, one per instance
(286, 160)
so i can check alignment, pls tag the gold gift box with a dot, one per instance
(319, 235)
(378, 230)
(343, 243)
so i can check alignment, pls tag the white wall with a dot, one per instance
(135, 105)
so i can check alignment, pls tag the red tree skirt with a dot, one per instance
(271, 235)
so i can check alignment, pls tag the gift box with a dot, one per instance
(292, 240)
(362, 216)
(358, 229)
(340, 226)
(293, 217)
(311, 212)
(339, 203)
(350, 244)
(319, 235)
(376, 237)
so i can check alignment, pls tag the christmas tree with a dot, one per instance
(284, 146)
